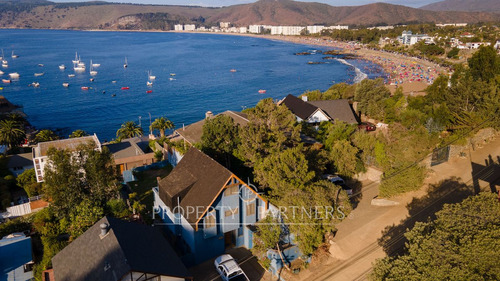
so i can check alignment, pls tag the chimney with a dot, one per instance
(304, 98)
(104, 229)
(209, 114)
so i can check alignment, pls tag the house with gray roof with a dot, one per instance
(208, 206)
(131, 153)
(314, 112)
(18, 163)
(113, 249)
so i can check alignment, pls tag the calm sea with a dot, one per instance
(203, 80)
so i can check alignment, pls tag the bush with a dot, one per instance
(16, 225)
(408, 179)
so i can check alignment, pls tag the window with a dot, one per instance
(232, 190)
(231, 212)
(251, 209)
(210, 220)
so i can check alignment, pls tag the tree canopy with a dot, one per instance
(129, 129)
(220, 138)
(460, 244)
(161, 124)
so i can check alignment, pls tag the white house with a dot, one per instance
(255, 29)
(313, 29)
(189, 27)
(40, 157)
(178, 27)
(408, 38)
(476, 45)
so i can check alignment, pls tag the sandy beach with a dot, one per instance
(412, 74)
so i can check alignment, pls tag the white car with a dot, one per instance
(338, 181)
(229, 269)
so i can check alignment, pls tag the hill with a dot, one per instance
(103, 15)
(465, 5)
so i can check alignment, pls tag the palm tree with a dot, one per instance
(78, 134)
(11, 133)
(161, 124)
(129, 130)
(46, 135)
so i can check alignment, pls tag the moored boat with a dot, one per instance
(65, 84)
(233, 70)
(6, 80)
(35, 84)
(14, 75)
(1, 72)
(149, 83)
(62, 67)
(125, 88)
(14, 56)
(85, 88)
(149, 91)
(262, 91)
(71, 75)
(92, 71)
(125, 65)
(39, 74)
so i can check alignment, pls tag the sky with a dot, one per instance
(219, 3)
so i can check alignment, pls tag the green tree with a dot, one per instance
(27, 180)
(74, 177)
(220, 138)
(460, 244)
(46, 135)
(484, 64)
(129, 129)
(329, 132)
(345, 158)
(78, 134)
(269, 130)
(11, 133)
(161, 124)
(453, 53)
(83, 217)
(370, 95)
(286, 170)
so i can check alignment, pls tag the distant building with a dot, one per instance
(313, 29)
(114, 250)
(243, 29)
(467, 35)
(189, 27)
(451, 24)
(257, 29)
(224, 24)
(338, 27)
(286, 30)
(497, 45)
(476, 45)
(408, 38)
(387, 27)
(40, 151)
(16, 257)
(178, 27)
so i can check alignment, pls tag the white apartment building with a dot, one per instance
(243, 29)
(224, 24)
(286, 30)
(257, 29)
(40, 157)
(387, 27)
(313, 29)
(189, 27)
(178, 27)
(337, 27)
(408, 38)
(451, 24)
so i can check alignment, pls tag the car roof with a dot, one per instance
(228, 263)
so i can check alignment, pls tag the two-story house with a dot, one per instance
(207, 206)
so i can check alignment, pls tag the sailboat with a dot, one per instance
(92, 71)
(149, 83)
(14, 56)
(62, 67)
(125, 65)
(151, 77)
(76, 60)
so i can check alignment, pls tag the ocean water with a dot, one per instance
(203, 78)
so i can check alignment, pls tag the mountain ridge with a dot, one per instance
(464, 5)
(113, 16)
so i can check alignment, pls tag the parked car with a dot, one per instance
(367, 126)
(229, 269)
(335, 179)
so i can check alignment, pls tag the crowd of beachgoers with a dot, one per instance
(402, 70)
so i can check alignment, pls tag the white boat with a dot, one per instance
(92, 71)
(71, 75)
(5, 65)
(65, 84)
(151, 77)
(14, 75)
(76, 60)
(125, 65)
(149, 83)
(39, 74)
(95, 64)
(171, 78)
(1, 72)
(62, 67)
(14, 56)
(79, 68)
(35, 84)
(172, 74)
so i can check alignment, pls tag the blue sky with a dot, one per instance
(218, 3)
